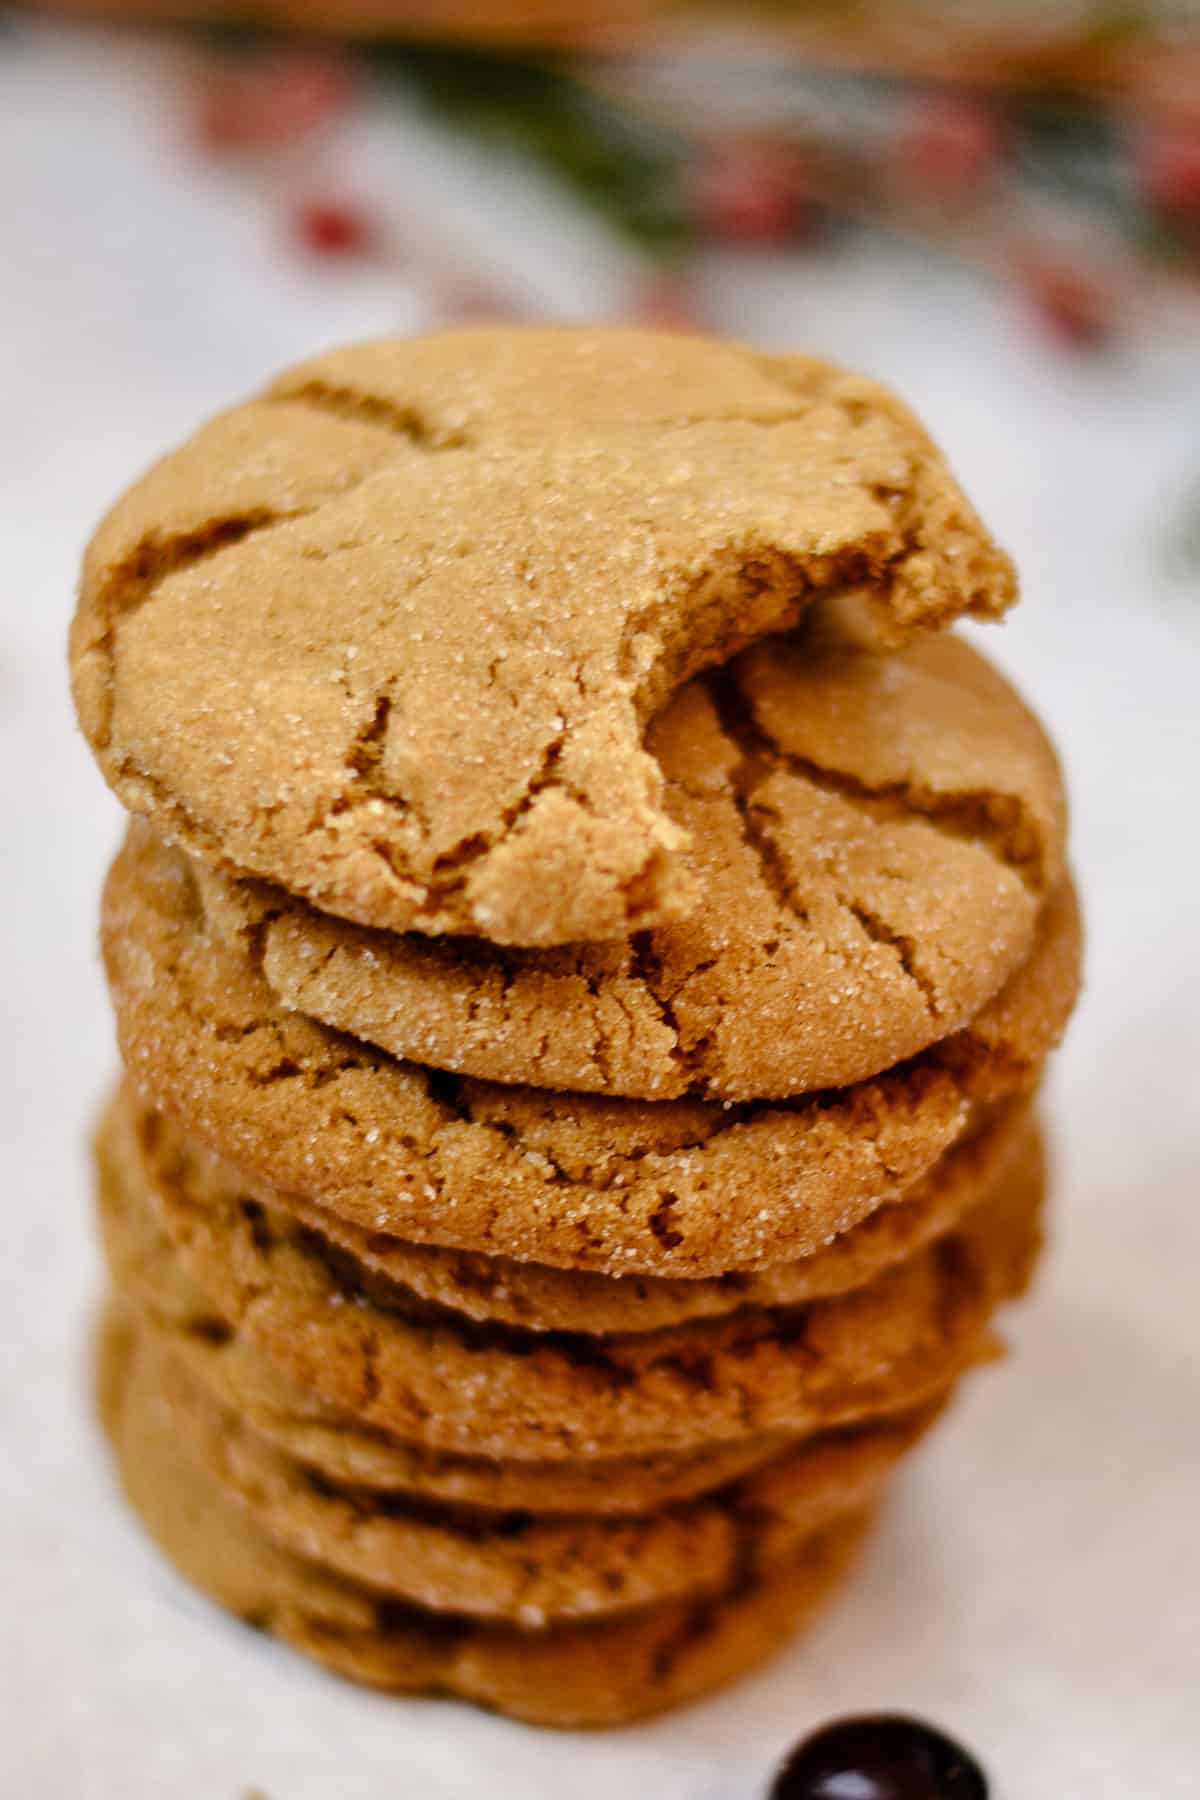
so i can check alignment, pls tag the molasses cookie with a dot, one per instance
(681, 1188)
(872, 837)
(390, 634)
(425, 1374)
(596, 1672)
(523, 1566)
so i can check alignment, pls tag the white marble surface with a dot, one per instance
(1036, 1583)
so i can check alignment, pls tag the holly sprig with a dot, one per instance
(625, 168)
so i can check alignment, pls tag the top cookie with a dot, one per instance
(389, 636)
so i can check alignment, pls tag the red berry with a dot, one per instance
(950, 146)
(222, 116)
(750, 192)
(1076, 305)
(1169, 170)
(666, 301)
(299, 90)
(334, 228)
(273, 101)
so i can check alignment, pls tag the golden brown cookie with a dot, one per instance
(537, 1298)
(871, 840)
(390, 634)
(325, 1438)
(331, 1441)
(597, 1672)
(521, 1566)
(1004, 1049)
(369, 1348)
(680, 1188)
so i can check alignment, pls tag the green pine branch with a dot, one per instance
(630, 172)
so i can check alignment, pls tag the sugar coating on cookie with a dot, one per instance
(390, 634)
(677, 1187)
(531, 1569)
(188, 1247)
(227, 1366)
(871, 839)
(589, 1672)
(536, 1298)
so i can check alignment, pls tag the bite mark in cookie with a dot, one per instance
(390, 636)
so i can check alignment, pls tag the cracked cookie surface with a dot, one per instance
(534, 1297)
(680, 1188)
(522, 1566)
(872, 837)
(590, 1673)
(390, 635)
(425, 1374)
(322, 1437)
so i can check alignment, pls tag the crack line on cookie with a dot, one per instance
(134, 581)
(154, 559)
(996, 822)
(415, 1146)
(403, 422)
(880, 932)
(829, 1404)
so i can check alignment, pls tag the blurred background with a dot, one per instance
(995, 208)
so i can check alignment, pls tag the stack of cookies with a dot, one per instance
(582, 963)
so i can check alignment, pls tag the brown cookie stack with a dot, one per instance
(582, 967)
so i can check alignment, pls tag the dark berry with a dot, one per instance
(881, 1757)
